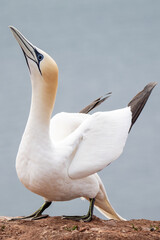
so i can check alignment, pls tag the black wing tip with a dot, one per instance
(105, 96)
(144, 93)
(138, 102)
(150, 86)
(95, 103)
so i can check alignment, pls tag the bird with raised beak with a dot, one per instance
(59, 158)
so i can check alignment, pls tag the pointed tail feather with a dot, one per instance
(106, 209)
(138, 102)
(103, 205)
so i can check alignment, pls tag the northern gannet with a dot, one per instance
(59, 158)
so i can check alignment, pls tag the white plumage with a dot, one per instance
(88, 143)
(59, 159)
(103, 136)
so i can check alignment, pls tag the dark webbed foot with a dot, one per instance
(85, 218)
(36, 215)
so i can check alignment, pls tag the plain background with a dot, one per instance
(99, 46)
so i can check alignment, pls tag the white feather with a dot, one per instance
(103, 141)
(59, 159)
(63, 124)
(103, 136)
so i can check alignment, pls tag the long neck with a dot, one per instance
(43, 99)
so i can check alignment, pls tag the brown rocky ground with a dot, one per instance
(57, 228)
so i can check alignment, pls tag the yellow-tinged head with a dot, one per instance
(39, 62)
(43, 71)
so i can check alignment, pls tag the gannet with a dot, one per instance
(59, 158)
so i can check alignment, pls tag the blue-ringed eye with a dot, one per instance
(40, 57)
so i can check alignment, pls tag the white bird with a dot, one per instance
(59, 158)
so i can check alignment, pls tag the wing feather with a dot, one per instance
(104, 137)
(63, 124)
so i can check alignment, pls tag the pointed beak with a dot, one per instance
(28, 49)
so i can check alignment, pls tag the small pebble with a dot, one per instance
(152, 229)
(94, 229)
(145, 229)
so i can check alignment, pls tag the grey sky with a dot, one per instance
(99, 46)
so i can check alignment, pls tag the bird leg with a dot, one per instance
(85, 218)
(37, 214)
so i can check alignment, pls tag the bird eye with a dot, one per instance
(40, 57)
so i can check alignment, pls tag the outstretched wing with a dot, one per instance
(95, 103)
(63, 124)
(104, 137)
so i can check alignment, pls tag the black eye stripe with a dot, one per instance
(39, 58)
(38, 55)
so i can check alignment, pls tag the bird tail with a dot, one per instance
(103, 205)
(138, 102)
(106, 209)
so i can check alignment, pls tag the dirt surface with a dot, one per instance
(58, 228)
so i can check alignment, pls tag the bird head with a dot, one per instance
(43, 69)
(40, 64)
